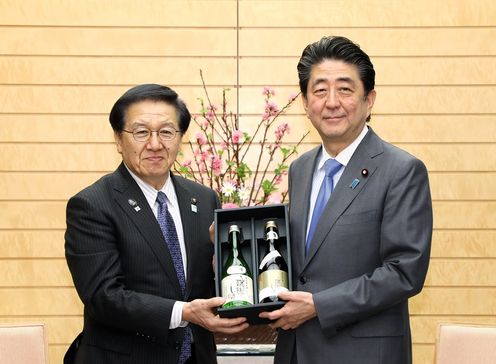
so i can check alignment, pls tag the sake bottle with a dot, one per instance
(273, 269)
(237, 282)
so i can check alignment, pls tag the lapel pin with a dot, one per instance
(134, 204)
(365, 172)
(194, 208)
(354, 183)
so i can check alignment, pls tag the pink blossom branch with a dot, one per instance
(210, 104)
(283, 161)
(196, 162)
(221, 149)
(262, 145)
(267, 124)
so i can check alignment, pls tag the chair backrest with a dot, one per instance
(23, 344)
(466, 344)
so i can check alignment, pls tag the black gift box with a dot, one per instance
(252, 221)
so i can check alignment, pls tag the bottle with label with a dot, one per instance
(237, 284)
(273, 269)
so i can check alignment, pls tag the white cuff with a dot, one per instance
(177, 315)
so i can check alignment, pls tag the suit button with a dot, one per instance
(177, 345)
(303, 279)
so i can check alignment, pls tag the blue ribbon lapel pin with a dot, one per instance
(354, 183)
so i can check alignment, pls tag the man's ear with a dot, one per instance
(118, 141)
(370, 100)
(305, 102)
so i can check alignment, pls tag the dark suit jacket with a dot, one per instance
(124, 274)
(369, 254)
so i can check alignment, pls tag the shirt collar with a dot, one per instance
(345, 155)
(151, 193)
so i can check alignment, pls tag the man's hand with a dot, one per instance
(201, 312)
(297, 310)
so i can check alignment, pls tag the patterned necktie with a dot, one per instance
(170, 234)
(331, 167)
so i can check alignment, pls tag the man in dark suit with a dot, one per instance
(138, 246)
(360, 254)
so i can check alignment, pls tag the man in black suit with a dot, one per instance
(138, 246)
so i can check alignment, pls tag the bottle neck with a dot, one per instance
(271, 238)
(235, 253)
(271, 246)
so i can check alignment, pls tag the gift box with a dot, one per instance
(251, 221)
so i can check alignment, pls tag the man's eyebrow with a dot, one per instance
(143, 121)
(339, 79)
(319, 80)
(346, 79)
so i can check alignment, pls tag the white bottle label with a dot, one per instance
(237, 287)
(271, 282)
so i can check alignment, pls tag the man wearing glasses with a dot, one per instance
(137, 245)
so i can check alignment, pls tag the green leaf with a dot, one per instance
(185, 171)
(285, 151)
(280, 169)
(243, 171)
(268, 187)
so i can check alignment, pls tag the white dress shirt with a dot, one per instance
(318, 175)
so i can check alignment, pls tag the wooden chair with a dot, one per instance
(466, 344)
(23, 344)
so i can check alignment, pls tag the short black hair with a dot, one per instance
(338, 48)
(152, 92)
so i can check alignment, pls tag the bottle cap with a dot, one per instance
(270, 223)
(234, 228)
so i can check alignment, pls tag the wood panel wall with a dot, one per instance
(64, 63)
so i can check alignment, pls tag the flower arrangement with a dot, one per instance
(220, 149)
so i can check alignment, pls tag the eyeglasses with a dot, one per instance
(144, 134)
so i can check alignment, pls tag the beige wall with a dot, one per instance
(64, 63)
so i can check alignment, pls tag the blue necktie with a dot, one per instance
(170, 234)
(331, 167)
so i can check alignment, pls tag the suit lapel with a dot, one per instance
(343, 194)
(300, 203)
(140, 213)
(190, 231)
